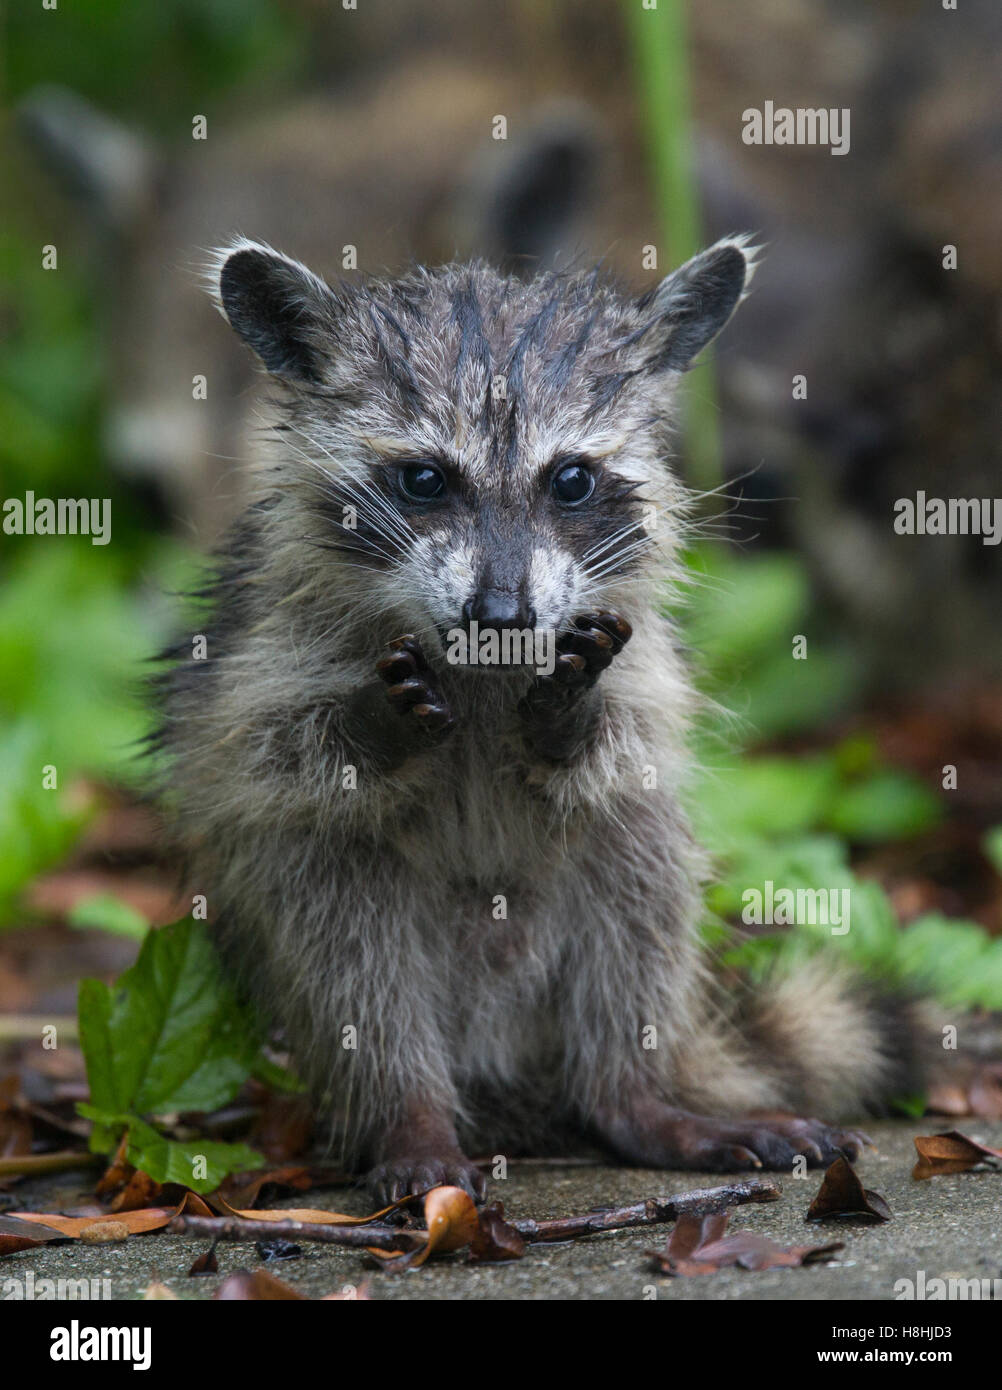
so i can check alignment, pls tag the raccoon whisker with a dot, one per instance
(363, 493)
(607, 542)
(721, 489)
(617, 559)
(620, 566)
(711, 532)
(379, 516)
(594, 551)
(372, 520)
(318, 544)
(375, 508)
(393, 516)
(372, 523)
(378, 520)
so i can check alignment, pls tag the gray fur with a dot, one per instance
(372, 907)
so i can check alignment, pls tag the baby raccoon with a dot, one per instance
(465, 888)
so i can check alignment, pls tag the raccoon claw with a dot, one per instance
(410, 686)
(615, 627)
(437, 719)
(654, 1135)
(595, 639)
(390, 1181)
(774, 1144)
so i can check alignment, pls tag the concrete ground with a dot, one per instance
(944, 1226)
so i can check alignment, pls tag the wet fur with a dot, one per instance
(373, 907)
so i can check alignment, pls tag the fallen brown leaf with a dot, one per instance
(985, 1091)
(698, 1245)
(247, 1286)
(115, 1226)
(156, 1292)
(948, 1098)
(977, 1092)
(139, 1192)
(16, 1130)
(451, 1218)
(241, 1190)
(841, 1194)
(495, 1239)
(118, 1172)
(16, 1234)
(206, 1262)
(951, 1152)
(315, 1215)
(258, 1285)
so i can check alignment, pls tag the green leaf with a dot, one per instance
(174, 1160)
(913, 1106)
(171, 1036)
(992, 845)
(957, 960)
(811, 861)
(889, 805)
(277, 1077)
(744, 606)
(37, 826)
(94, 1021)
(780, 695)
(170, 1160)
(108, 913)
(763, 797)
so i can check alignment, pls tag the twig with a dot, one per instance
(30, 1165)
(28, 1027)
(651, 1212)
(240, 1228)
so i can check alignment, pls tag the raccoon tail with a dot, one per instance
(817, 1040)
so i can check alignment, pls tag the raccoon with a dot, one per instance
(465, 888)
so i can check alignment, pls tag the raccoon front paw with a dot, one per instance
(582, 654)
(589, 647)
(410, 687)
(390, 1181)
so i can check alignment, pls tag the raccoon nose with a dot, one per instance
(499, 609)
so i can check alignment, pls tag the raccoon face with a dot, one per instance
(492, 451)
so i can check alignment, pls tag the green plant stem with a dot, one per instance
(661, 61)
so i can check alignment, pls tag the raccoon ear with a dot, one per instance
(691, 306)
(278, 307)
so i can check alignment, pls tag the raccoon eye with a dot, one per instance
(422, 481)
(573, 483)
